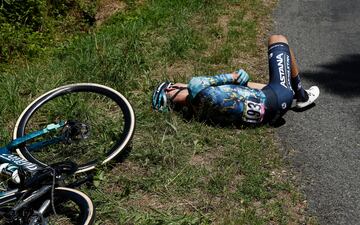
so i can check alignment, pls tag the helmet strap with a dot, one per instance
(178, 92)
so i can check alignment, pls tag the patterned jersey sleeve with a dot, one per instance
(196, 84)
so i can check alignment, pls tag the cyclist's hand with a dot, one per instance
(242, 78)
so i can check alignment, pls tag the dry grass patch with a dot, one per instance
(107, 8)
(179, 69)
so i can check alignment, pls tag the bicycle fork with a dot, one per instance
(37, 215)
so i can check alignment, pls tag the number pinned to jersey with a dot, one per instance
(253, 112)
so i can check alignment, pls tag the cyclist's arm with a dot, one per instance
(197, 84)
(256, 85)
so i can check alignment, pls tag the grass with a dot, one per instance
(178, 172)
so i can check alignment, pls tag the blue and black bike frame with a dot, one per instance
(6, 155)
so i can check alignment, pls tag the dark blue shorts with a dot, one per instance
(279, 94)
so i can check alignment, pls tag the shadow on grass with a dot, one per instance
(341, 77)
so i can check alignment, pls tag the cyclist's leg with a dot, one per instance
(300, 93)
(282, 39)
(279, 90)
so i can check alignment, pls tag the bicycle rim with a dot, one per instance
(72, 207)
(106, 112)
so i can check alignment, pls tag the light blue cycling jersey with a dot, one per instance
(221, 99)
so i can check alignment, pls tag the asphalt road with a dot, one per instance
(323, 143)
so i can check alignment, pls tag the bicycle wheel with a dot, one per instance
(72, 207)
(107, 114)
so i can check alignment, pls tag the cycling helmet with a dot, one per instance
(160, 102)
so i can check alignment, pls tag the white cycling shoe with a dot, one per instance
(313, 93)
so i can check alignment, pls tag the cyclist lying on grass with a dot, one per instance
(231, 98)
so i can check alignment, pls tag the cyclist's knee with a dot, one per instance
(277, 38)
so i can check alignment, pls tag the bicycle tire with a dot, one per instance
(78, 200)
(51, 105)
(71, 206)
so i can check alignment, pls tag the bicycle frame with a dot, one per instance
(6, 155)
(31, 196)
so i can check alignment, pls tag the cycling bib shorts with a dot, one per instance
(278, 92)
